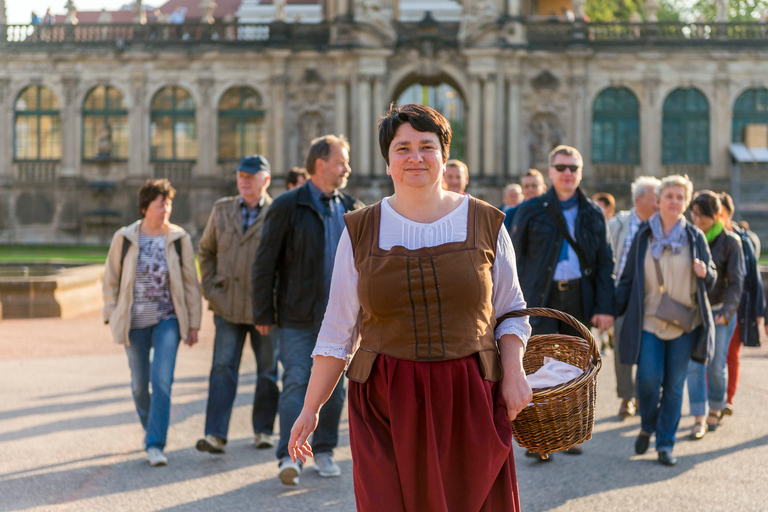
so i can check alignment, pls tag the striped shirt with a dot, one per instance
(151, 284)
(634, 224)
(249, 214)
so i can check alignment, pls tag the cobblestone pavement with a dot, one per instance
(70, 440)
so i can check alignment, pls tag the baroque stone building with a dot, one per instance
(89, 111)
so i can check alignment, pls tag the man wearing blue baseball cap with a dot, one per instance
(227, 250)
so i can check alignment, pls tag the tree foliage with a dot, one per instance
(675, 10)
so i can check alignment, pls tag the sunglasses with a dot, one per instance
(561, 168)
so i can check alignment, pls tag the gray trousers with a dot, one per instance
(626, 387)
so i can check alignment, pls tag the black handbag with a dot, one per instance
(672, 311)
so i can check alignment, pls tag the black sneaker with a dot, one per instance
(210, 444)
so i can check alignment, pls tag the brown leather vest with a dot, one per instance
(430, 304)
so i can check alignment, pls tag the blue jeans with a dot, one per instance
(661, 371)
(710, 382)
(227, 352)
(296, 347)
(154, 407)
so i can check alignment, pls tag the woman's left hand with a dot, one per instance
(191, 337)
(516, 392)
(720, 320)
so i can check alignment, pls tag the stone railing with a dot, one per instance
(36, 172)
(539, 33)
(124, 35)
(175, 172)
(614, 172)
(697, 173)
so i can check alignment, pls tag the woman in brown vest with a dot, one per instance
(418, 283)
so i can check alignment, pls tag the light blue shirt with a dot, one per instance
(332, 210)
(569, 269)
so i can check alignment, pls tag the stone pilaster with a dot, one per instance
(6, 128)
(578, 131)
(515, 165)
(138, 126)
(277, 113)
(205, 119)
(362, 155)
(720, 128)
(70, 132)
(378, 165)
(490, 99)
(474, 139)
(341, 124)
(650, 128)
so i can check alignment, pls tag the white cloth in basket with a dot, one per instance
(552, 373)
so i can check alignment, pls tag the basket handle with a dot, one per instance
(563, 317)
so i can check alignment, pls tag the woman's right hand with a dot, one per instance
(699, 268)
(298, 446)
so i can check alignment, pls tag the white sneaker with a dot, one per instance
(156, 457)
(210, 444)
(263, 440)
(289, 472)
(326, 466)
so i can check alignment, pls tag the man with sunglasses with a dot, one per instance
(564, 257)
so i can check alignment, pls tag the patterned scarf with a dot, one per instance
(675, 240)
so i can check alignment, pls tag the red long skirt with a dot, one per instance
(431, 436)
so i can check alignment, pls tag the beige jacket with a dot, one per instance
(118, 291)
(226, 257)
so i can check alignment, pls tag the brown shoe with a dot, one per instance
(627, 408)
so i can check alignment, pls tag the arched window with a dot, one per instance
(105, 125)
(446, 100)
(750, 108)
(37, 125)
(241, 124)
(685, 129)
(172, 130)
(616, 127)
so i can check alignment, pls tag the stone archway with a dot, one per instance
(442, 94)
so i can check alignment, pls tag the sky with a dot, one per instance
(18, 11)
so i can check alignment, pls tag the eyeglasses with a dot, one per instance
(561, 168)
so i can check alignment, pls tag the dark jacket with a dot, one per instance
(288, 276)
(752, 303)
(725, 295)
(630, 295)
(537, 242)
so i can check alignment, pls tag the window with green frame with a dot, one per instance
(105, 125)
(242, 129)
(616, 127)
(37, 125)
(685, 128)
(172, 129)
(751, 107)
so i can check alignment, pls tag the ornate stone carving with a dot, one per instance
(5, 85)
(206, 86)
(70, 84)
(545, 81)
(476, 15)
(544, 133)
(377, 13)
(71, 13)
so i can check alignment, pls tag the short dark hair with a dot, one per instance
(292, 177)
(727, 201)
(607, 199)
(565, 150)
(153, 188)
(707, 203)
(321, 148)
(533, 173)
(421, 119)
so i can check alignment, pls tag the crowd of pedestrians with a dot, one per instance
(382, 294)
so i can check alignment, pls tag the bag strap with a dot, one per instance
(658, 273)
(124, 251)
(559, 221)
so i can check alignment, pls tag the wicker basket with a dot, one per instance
(563, 415)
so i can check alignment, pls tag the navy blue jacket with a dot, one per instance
(630, 295)
(537, 242)
(288, 273)
(752, 303)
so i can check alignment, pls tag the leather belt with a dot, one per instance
(564, 286)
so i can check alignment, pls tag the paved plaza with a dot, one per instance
(70, 440)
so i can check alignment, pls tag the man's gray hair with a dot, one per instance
(643, 184)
